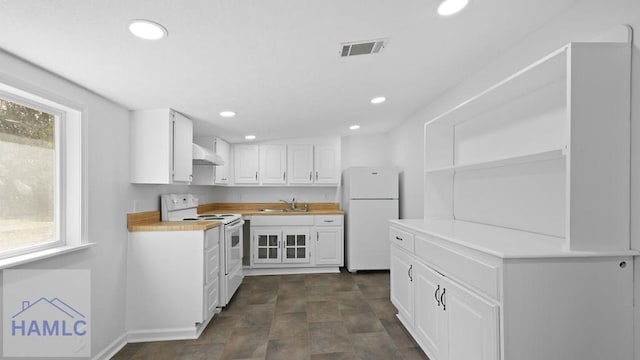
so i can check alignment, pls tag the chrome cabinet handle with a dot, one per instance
(284, 175)
(316, 176)
(409, 273)
(328, 220)
(256, 175)
(444, 306)
(436, 295)
(310, 175)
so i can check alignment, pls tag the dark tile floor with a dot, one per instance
(289, 317)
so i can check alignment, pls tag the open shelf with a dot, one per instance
(506, 161)
(545, 151)
(550, 69)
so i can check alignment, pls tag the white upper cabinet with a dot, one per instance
(209, 174)
(300, 167)
(287, 164)
(161, 147)
(221, 172)
(273, 164)
(246, 164)
(326, 164)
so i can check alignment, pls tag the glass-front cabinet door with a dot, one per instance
(268, 247)
(295, 246)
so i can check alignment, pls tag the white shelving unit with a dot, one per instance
(545, 151)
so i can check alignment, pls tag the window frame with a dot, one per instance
(70, 174)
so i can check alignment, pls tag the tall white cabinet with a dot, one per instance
(526, 216)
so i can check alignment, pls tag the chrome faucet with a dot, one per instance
(292, 204)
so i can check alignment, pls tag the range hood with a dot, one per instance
(204, 156)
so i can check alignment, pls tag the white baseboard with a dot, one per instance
(291, 271)
(112, 349)
(166, 334)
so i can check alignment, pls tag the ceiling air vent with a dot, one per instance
(362, 47)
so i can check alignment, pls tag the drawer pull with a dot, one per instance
(329, 221)
(409, 273)
(436, 295)
(444, 306)
(398, 238)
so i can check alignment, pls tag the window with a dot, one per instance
(40, 174)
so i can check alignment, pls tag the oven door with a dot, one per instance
(233, 238)
(233, 257)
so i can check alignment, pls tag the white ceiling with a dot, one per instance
(274, 62)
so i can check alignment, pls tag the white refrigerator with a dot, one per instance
(370, 200)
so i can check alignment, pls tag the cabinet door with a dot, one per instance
(300, 164)
(430, 319)
(295, 248)
(402, 283)
(182, 148)
(329, 246)
(327, 165)
(267, 247)
(473, 325)
(273, 164)
(246, 161)
(221, 148)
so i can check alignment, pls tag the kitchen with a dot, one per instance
(515, 43)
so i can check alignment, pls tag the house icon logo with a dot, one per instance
(48, 317)
(46, 313)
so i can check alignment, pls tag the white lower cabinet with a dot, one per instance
(447, 320)
(402, 287)
(461, 303)
(172, 283)
(298, 241)
(430, 319)
(281, 246)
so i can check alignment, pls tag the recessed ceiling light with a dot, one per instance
(378, 100)
(227, 113)
(354, 127)
(450, 7)
(147, 30)
(250, 137)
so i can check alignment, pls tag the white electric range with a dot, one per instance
(184, 207)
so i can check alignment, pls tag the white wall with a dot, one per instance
(585, 20)
(366, 150)
(108, 191)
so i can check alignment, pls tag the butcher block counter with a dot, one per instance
(150, 221)
(252, 209)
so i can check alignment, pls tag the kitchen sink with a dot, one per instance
(283, 210)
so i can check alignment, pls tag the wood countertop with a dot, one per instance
(254, 209)
(150, 221)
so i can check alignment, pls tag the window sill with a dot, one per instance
(39, 255)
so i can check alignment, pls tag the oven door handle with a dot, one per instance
(234, 225)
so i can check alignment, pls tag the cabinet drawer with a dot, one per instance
(328, 220)
(480, 275)
(211, 237)
(401, 238)
(282, 220)
(212, 265)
